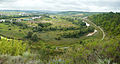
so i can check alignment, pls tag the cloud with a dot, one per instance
(2, 1)
(76, 5)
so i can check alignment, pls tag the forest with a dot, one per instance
(110, 22)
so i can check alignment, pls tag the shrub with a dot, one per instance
(12, 47)
(29, 35)
(44, 24)
(58, 38)
(34, 37)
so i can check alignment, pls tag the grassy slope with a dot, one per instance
(48, 36)
(14, 32)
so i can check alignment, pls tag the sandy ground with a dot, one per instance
(90, 34)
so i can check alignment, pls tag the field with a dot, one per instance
(62, 26)
(12, 31)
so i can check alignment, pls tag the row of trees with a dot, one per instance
(48, 27)
(44, 24)
(77, 34)
(38, 28)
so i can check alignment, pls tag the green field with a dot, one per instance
(11, 31)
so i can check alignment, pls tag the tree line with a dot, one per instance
(77, 34)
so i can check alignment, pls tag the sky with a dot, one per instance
(62, 5)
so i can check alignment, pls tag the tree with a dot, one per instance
(58, 38)
(44, 24)
(34, 37)
(29, 35)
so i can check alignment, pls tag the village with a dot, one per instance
(19, 19)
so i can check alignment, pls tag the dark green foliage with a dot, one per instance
(109, 21)
(9, 29)
(58, 38)
(39, 28)
(34, 37)
(29, 35)
(44, 24)
(77, 34)
(23, 26)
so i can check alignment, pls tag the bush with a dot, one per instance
(44, 24)
(58, 38)
(12, 47)
(29, 35)
(34, 37)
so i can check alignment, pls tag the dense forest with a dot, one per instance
(110, 22)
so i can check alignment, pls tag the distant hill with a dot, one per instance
(77, 13)
(32, 11)
(51, 12)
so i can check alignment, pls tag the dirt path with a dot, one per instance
(90, 22)
(102, 32)
(90, 34)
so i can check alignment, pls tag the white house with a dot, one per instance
(36, 17)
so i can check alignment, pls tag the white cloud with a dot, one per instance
(78, 5)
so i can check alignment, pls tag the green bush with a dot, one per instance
(12, 47)
(34, 37)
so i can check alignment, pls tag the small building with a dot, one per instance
(36, 17)
(2, 20)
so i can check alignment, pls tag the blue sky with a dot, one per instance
(62, 5)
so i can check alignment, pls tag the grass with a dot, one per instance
(47, 36)
(12, 31)
(51, 35)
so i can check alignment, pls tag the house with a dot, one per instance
(36, 17)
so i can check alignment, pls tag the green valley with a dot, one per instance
(69, 37)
